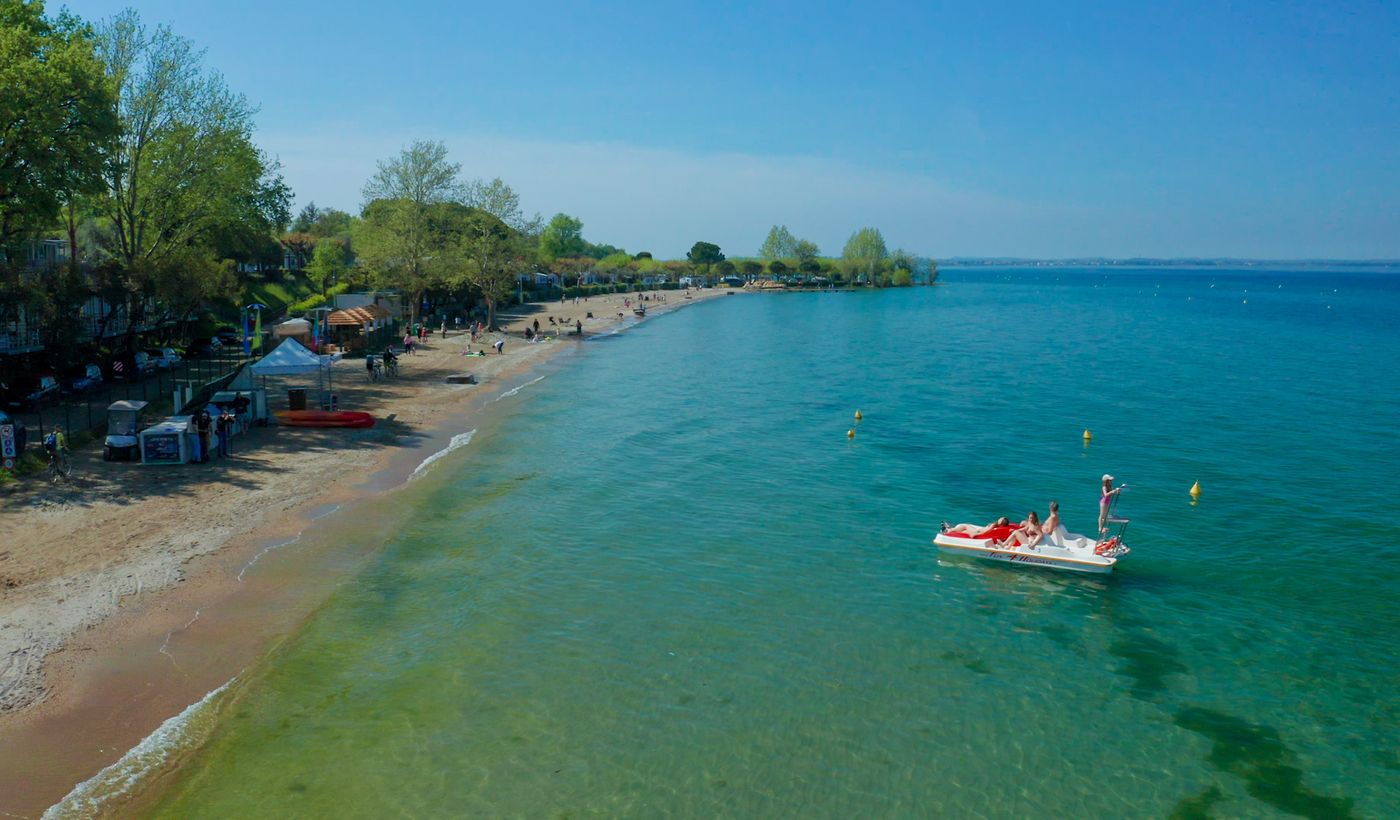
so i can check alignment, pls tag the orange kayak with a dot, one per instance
(324, 418)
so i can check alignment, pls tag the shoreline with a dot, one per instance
(90, 661)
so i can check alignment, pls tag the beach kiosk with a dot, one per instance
(123, 428)
(172, 441)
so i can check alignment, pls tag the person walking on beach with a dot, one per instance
(1109, 492)
(203, 425)
(225, 430)
(537, 327)
(408, 344)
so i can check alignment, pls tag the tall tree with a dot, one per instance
(420, 174)
(501, 201)
(703, 255)
(57, 116)
(404, 233)
(903, 263)
(497, 256)
(805, 251)
(184, 167)
(780, 244)
(562, 237)
(327, 264)
(864, 254)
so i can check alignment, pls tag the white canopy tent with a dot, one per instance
(291, 358)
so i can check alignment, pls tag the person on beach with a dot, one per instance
(1026, 535)
(500, 345)
(204, 425)
(974, 531)
(578, 327)
(1106, 496)
(537, 327)
(225, 430)
(408, 344)
(444, 327)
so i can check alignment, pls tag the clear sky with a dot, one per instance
(1267, 129)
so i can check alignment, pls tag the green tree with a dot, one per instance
(501, 201)
(409, 233)
(903, 263)
(778, 268)
(420, 174)
(750, 269)
(704, 254)
(780, 244)
(562, 237)
(57, 116)
(864, 255)
(643, 255)
(496, 258)
(601, 251)
(805, 252)
(328, 264)
(724, 268)
(183, 171)
(306, 217)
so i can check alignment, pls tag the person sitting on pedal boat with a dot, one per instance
(1028, 534)
(974, 531)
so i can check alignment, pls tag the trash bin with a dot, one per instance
(296, 398)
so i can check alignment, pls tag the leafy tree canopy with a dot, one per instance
(805, 251)
(865, 252)
(780, 244)
(562, 237)
(57, 116)
(704, 253)
(420, 174)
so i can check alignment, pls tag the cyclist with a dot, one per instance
(56, 445)
(391, 362)
(369, 367)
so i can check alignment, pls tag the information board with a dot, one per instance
(161, 448)
(7, 441)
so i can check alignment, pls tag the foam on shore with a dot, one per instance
(184, 731)
(458, 441)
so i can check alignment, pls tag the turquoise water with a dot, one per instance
(669, 583)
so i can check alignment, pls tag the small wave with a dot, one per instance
(265, 551)
(459, 440)
(515, 390)
(184, 731)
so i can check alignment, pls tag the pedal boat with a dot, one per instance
(1061, 550)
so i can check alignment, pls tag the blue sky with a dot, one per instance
(1067, 129)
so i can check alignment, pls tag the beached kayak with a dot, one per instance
(324, 418)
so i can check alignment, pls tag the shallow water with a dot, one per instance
(670, 583)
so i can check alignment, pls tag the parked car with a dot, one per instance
(29, 393)
(204, 347)
(90, 379)
(20, 433)
(164, 357)
(144, 363)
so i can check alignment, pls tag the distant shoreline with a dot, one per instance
(1144, 262)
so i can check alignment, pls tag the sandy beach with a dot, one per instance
(125, 551)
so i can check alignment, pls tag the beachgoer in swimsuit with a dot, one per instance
(974, 531)
(1052, 521)
(1106, 501)
(1025, 535)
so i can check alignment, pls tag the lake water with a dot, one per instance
(669, 582)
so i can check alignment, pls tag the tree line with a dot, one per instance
(116, 137)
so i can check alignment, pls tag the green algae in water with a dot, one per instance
(702, 581)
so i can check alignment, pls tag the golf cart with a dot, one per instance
(123, 425)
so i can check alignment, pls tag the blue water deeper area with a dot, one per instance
(669, 583)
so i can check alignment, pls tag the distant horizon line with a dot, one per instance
(1159, 261)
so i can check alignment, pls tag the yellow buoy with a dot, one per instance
(1196, 490)
(1088, 436)
(857, 415)
(850, 434)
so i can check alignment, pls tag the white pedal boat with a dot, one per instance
(1061, 550)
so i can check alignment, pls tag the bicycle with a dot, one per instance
(59, 466)
(374, 369)
(391, 368)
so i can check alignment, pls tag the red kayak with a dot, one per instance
(324, 418)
